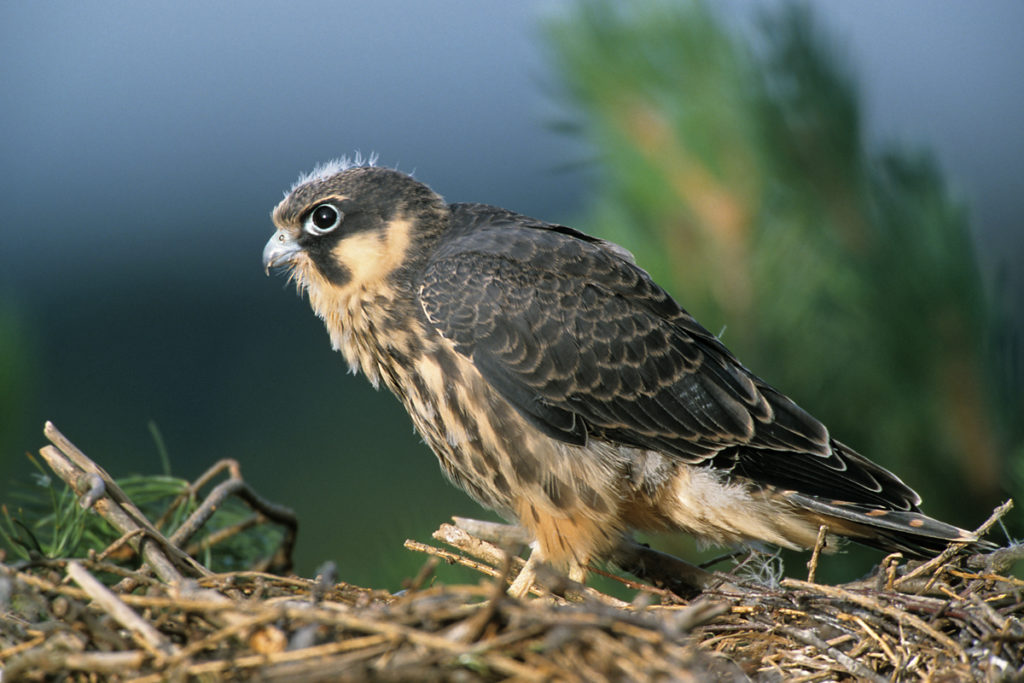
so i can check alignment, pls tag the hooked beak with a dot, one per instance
(281, 249)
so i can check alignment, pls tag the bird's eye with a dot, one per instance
(322, 220)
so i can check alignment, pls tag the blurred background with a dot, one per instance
(836, 188)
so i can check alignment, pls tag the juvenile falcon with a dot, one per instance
(558, 384)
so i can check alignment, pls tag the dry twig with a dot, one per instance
(257, 624)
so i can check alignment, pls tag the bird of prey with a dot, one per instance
(559, 385)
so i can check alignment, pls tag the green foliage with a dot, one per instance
(48, 522)
(736, 168)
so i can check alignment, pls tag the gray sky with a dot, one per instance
(949, 76)
(140, 128)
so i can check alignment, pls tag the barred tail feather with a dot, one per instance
(910, 532)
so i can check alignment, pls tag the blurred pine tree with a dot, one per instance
(735, 168)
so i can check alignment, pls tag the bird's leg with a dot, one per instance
(662, 569)
(527, 575)
(564, 540)
(577, 573)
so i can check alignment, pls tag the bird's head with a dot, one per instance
(348, 226)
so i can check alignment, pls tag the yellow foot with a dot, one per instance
(578, 573)
(528, 576)
(524, 582)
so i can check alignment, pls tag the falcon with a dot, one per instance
(559, 385)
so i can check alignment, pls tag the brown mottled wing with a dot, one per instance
(585, 345)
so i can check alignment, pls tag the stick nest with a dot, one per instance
(953, 618)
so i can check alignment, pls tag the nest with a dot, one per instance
(952, 618)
